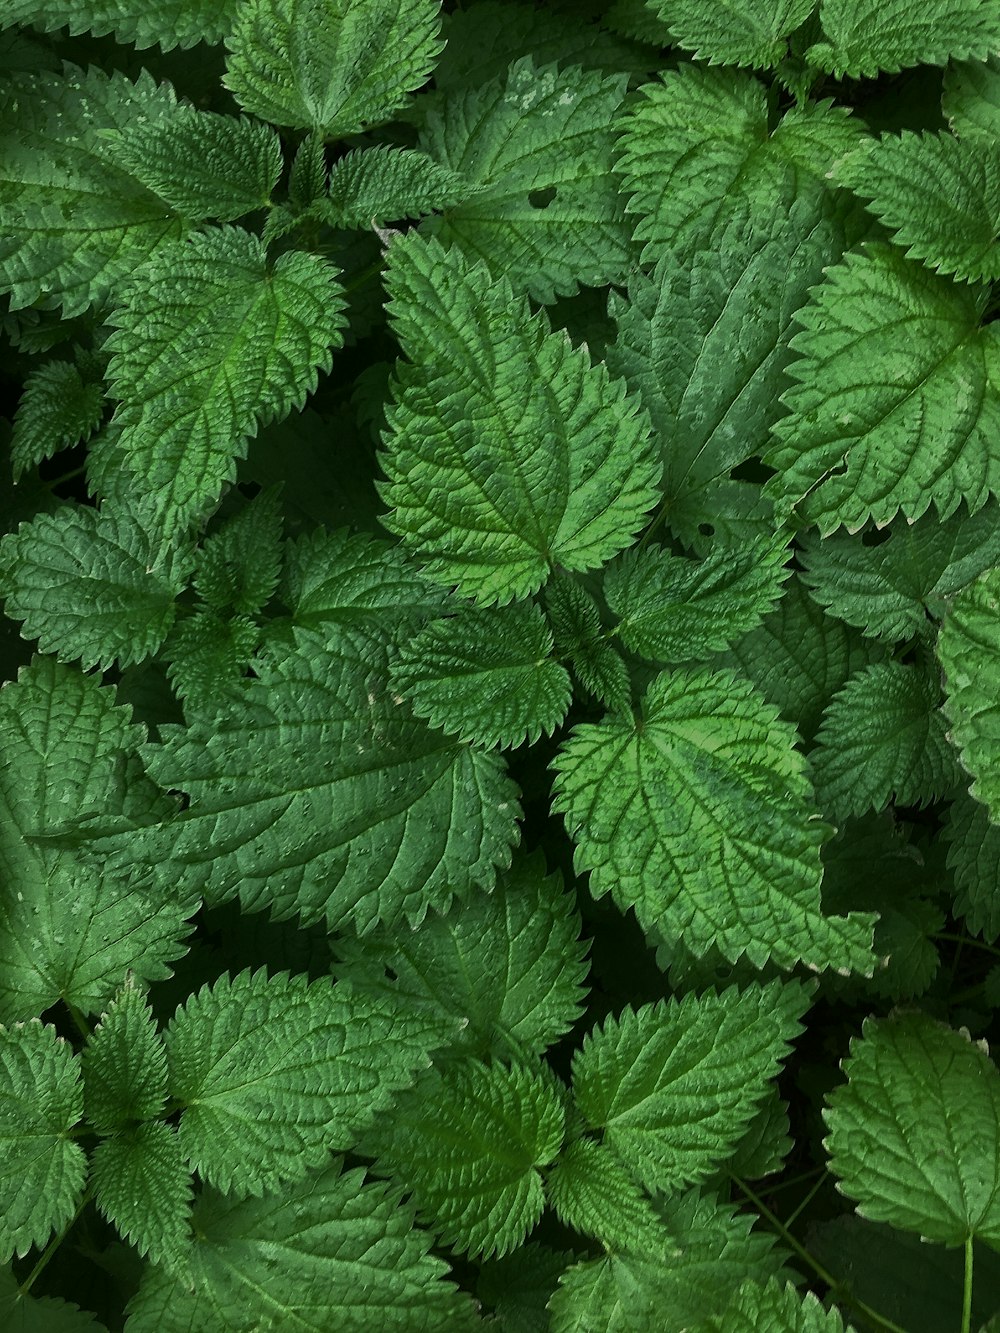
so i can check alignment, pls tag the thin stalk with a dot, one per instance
(790, 1221)
(967, 1288)
(949, 938)
(52, 1246)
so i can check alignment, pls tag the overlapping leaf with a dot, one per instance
(143, 1186)
(974, 858)
(969, 652)
(58, 408)
(166, 23)
(125, 1065)
(970, 99)
(575, 620)
(592, 1192)
(866, 36)
(372, 185)
(781, 1309)
(738, 32)
(26, 1313)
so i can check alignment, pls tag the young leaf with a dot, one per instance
(207, 656)
(336, 66)
(537, 144)
(273, 1072)
(879, 424)
(143, 1187)
(41, 1168)
(507, 452)
(237, 568)
(674, 1085)
(93, 584)
(969, 652)
(486, 676)
(701, 818)
(124, 1065)
(970, 99)
(776, 1308)
(330, 1252)
(57, 409)
(738, 32)
(467, 1142)
(211, 339)
(866, 36)
(576, 629)
(592, 1192)
(915, 1131)
(974, 858)
(380, 184)
(166, 23)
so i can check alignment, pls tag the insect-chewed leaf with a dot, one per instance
(338, 66)
(467, 1142)
(124, 1065)
(915, 1131)
(866, 36)
(486, 676)
(348, 1256)
(969, 652)
(507, 452)
(166, 23)
(41, 1169)
(776, 1308)
(701, 818)
(378, 184)
(740, 32)
(143, 1186)
(58, 408)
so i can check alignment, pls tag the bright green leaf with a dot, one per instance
(124, 1065)
(866, 36)
(735, 32)
(167, 23)
(379, 184)
(143, 1186)
(776, 1308)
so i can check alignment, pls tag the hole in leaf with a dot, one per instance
(541, 198)
(706, 529)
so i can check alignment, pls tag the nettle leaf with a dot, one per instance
(701, 818)
(706, 1251)
(675, 1084)
(330, 1252)
(517, 1287)
(591, 1191)
(896, 582)
(509, 963)
(765, 1143)
(238, 567)
(879, 423)
(58, 408)
(575, 621)
(273, 1072)
(93, 584)
(537, 143)
(915, 1131)
(970, 98)
(124, 1065)
(207, 657)
(704, 343)
(938, 195)
(737, 32)
(337, 66)
(67, 929)
(974, 858)
(23, 1313)
(969, 652)
(883, 735)
(467, 1143)
(699, 147)
(507, 452)
(41, 1169)
(211, 340)
(673, 609)
(379, 184)
(866, 36)
(164, 23)
(142, 1185)
(75, 223)
(777, 1308)
(486, 676)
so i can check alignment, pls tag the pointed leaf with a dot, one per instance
(143, 1187)
(866, 36)
(736, 32)
(380, 184)
(124, 1065)
(969, 652)
(592, 1192)
(974, 858)
(777, 1308)
(57, 409)
(238, 567)
(576, 628)
(24, 1313)
(971, 98)
(167, 23)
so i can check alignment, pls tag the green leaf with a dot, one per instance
(672, 609)
(467, 1143)
(576, 629)
(698, 149)
(777, 1308)
(700, 817)
(675, 1084)
(883, 736)
(69, 930)
(939, 197)
(380, 184)
(92, 584)
(273, 1072)
(486, 676)
(518, 1286)
(736, 32)
(915, 1131)
(208, 656)
(507, 452)
(166, 23)
(143, 1187)
(896, 582)
(537, 144)
(58, 408)
(41, 1169)
(22, 1313)
(210, 340)
(510, 964)
(238, 567)
(974, 858)
(971, 98)
(592, 1192)
(866, 36)
(969, 652)
(337, 66)
(331, 1253)
(765, 1143)
(879, 423)
(124, 1065)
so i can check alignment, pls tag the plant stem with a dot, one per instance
(966, 939)
(967, 1288)
(52, 1246)
(789, 1222)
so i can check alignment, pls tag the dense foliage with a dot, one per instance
(500, 749)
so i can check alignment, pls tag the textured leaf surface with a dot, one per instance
(915, 1131)
(28, 1314)
(576, 628)
(777, 1308)
(883, 421)
(238, 567)
(883, 735)
(701, 818)
(207, 657)
(865, 36)
(338, 66)
(93, 585)
(486, 676)
(592, 1192)
(467, 1143)
(212, 339)
(674, 1085)
(698, 147)
(124, 1065)
(507, 451)
(142, 1185)
(969, 653)
(378, 184)
(167, 23)
(509, 963)
(735, 32)
(974, 857)
(938, 195)
(41, 1168)
(273, 1072)
(537, 143)
(58, 408)
(328, 1253)
(971, 98)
